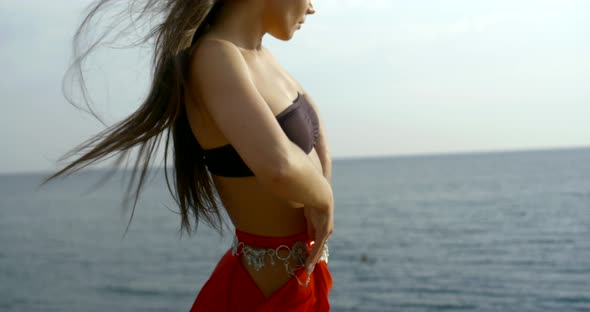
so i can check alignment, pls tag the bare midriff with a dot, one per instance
(255, 210)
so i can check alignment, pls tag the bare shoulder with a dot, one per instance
(212, 51)
(218, 66)
(214, 42)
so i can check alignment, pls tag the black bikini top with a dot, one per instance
(299, 122)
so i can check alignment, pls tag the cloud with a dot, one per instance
(475, 24)
(355, 4)
(425, 31)
(507, 22)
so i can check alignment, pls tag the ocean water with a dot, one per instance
(474, 232)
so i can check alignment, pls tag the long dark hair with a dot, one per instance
(161, 113)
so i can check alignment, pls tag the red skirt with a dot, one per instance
(230, 287)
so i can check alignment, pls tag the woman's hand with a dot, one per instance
(320, 225)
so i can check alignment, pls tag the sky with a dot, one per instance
(390, 77)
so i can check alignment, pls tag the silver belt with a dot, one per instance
(255, 257)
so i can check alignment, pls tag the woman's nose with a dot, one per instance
(311, 9)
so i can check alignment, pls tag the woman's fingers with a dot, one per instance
(316, 252)
(320, 224)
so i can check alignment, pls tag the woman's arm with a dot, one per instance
(315, 230)
(221, 74)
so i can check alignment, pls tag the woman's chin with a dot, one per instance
(284, 36)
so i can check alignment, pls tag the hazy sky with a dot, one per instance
(391, 77)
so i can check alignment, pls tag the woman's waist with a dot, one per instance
(269, 221)
(258, 251)
(271, 241)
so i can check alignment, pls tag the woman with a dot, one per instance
(241, 128)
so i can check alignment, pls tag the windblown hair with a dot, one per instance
(162, 113)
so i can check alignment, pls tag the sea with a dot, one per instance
(494, 231)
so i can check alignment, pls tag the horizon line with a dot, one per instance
(353, 158)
